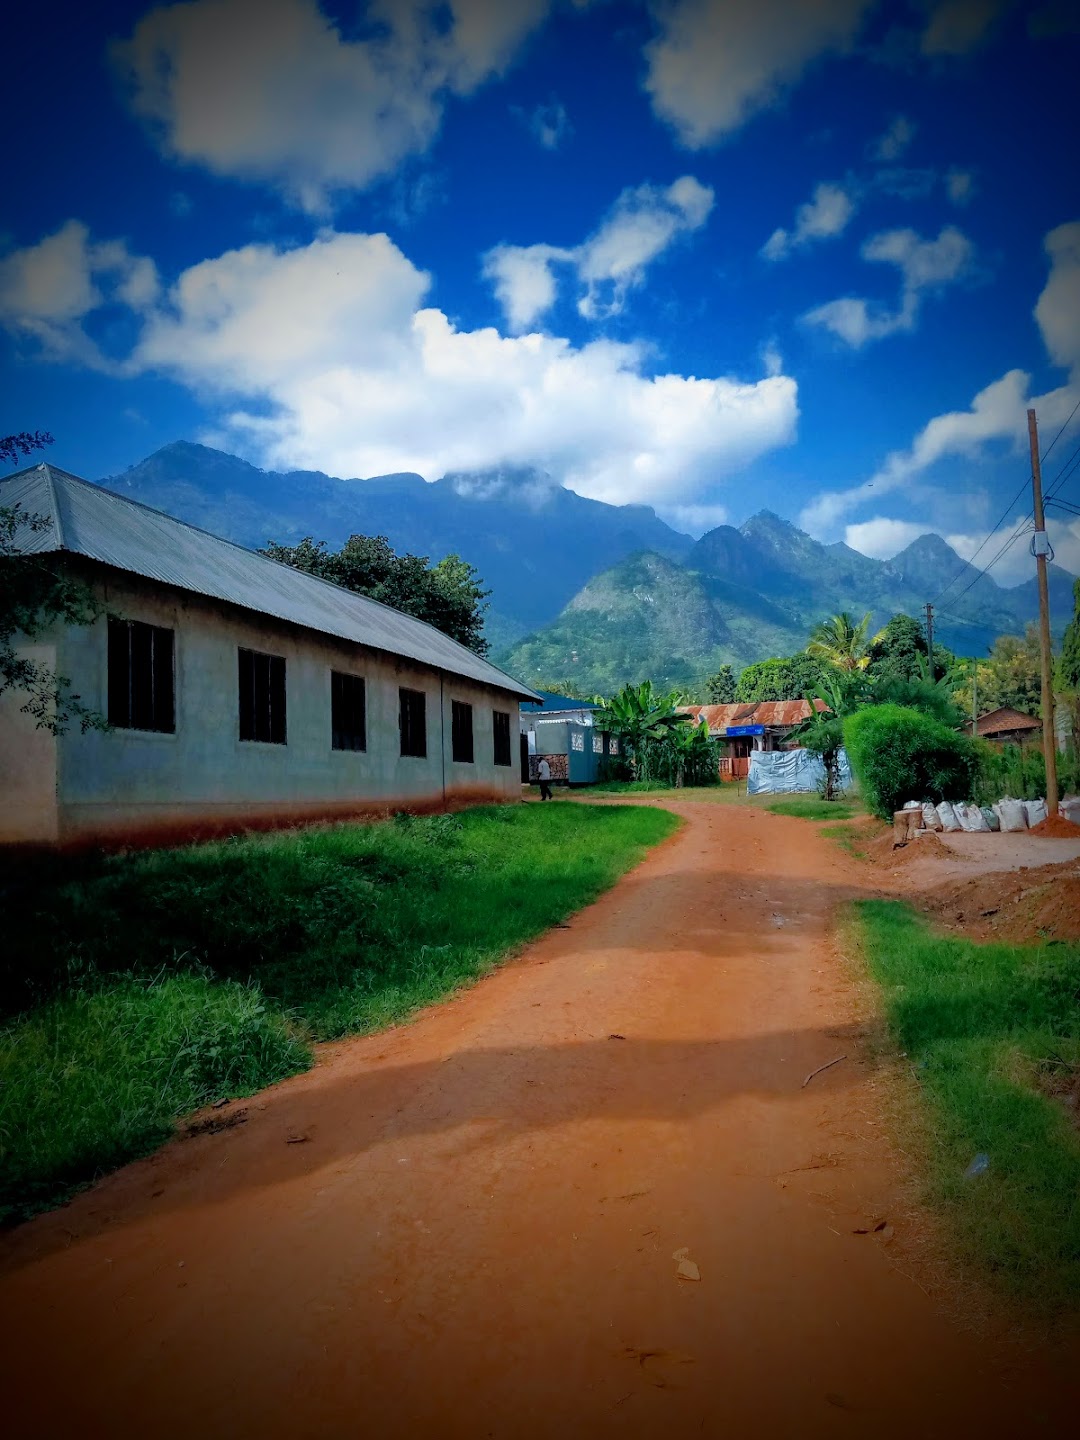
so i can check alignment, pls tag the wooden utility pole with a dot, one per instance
(930, 638)
(1041, 546)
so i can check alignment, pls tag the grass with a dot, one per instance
(847, 837)
(138, 987)
(992, 1032)
(811, 807)
(723, 793)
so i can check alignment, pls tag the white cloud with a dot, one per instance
(548, 124)
(47, 289)
(326, 357)
(926, 267)
(895, 140)
(882, 538)
(641, 224)
(959, 26)
(823, 217)
(273, 91)
(695, 519)
(959, 185)
(714, 63)
(998, 413)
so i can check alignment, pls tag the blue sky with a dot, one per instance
(708, 255)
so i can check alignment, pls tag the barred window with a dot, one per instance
(141, 687)
(262, 696)
(500, 721)
(348, 711)
(598, 744)
(461, 732)
(412, 722)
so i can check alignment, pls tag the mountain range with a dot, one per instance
(591, 594)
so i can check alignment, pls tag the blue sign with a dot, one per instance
(745, 730)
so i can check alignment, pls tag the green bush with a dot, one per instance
(898, 754)
(1020, 771)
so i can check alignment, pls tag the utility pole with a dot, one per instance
(1041, 546)
(930, 638)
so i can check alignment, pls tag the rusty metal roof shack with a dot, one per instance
(87, 520)
(772, 714)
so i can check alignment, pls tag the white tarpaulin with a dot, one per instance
(786, 772)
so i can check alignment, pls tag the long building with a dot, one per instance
(240, 693)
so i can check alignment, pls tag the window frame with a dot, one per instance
(407, 698)
(497, 719)
(273, 673)
(342, 682)
(462, 733)
(125, 698)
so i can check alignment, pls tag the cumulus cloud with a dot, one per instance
(823, 217)
(548, 124)
(926, 267)
(883, 539)
(273, 91)
(715, 63)
(326, 356)
(48, 289)
(998, 413)
(640, 226)
(895, 140)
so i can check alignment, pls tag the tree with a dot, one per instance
(840, 642)
(896, 649)
(1067, 674)
(720, 688)
(822, 732)
(34, 594)
(448, 595)
(643, 719)
(1013, 673)
(934, 697)
(786, 678)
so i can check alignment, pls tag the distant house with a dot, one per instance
(748, 726)
(240, 693)
(1006, 726)
(562, 731)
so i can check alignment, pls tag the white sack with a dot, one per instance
(947, 816)
(1012, 815)
(990, 816)
(930, 818)
(970, 817)
(1035, 810)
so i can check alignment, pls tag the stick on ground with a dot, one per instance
(820, 1068)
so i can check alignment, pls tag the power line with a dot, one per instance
(1064, 473)
(1059, 434)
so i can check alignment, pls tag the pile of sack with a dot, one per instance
(1007, 814)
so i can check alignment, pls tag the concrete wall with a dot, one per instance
(28, 810)
(130, 786)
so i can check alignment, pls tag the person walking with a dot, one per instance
(543, 774)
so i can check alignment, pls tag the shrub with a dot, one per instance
(898, 754)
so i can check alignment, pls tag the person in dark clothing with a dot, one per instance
(543, 774)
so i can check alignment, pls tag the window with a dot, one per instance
(461, 736)
(262, 697)
(577, 740)
(500, 720)
(412, 722)
(141, 691)
(348, 712)
(598, 744)
(613, 746)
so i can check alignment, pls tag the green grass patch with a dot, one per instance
(722, 792)
(992, 1031)
(138, 987)
(811, 807)
(848, 837)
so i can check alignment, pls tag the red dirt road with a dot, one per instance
(473, 1233)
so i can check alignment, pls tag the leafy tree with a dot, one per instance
(896, 649)
(1013, 673)
(840, 642)
(822, 733)
(448, 595)
(936, 698)
(899, 754)
(1067, 677)
(786, 678)
(720, 688)
(644, 720)
(34, 594)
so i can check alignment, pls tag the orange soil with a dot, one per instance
(1023, 905)
(478, 1224)
(1057, 825)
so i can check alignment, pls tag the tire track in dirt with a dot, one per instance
(470, 1225)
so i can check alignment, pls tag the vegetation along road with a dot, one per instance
(590, 1196)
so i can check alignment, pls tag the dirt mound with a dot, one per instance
(1042, 903)
(929, 846)
(1057, 827)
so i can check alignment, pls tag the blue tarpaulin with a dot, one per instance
(787, 772)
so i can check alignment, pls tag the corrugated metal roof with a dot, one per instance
(778, 714)
(1005, 719)
(88, 520)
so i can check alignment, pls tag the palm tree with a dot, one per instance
(841, 643)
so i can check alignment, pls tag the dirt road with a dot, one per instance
(468, 1227)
